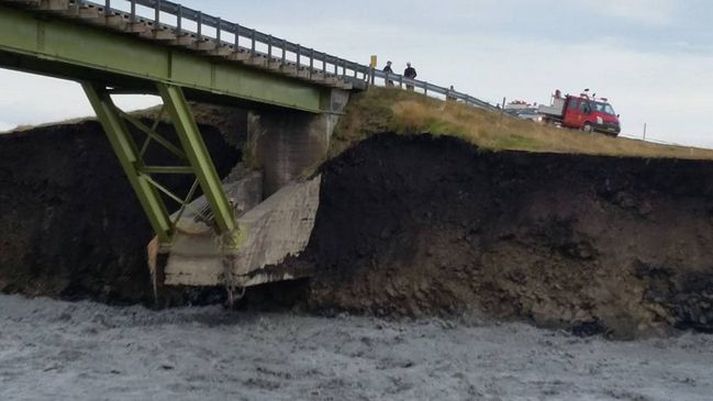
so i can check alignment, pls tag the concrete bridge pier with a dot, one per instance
(286, 143)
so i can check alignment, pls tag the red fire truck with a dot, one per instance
(585, 112)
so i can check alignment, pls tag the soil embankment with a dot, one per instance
(420, 225)
(407, 226)
(71, 224)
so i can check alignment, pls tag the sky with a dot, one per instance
(652, 58)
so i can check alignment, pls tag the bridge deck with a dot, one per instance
(225, 44)
(44, 37)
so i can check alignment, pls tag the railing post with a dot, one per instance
(218, 28)
(299, 56)
(179, 19)
(252, 43)
(199, 29)
(284, 52)
(237, 37)
(269, 49)
(107, 7)
(311, 62)
(324, 65)
(157, 14)
(133, 10)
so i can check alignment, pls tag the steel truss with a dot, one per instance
(145, 178)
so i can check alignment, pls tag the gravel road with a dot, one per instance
(51, 350)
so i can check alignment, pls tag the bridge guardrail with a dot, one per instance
(251, 41)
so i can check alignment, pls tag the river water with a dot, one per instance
(52, 350)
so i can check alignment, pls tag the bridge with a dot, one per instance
(295, 93)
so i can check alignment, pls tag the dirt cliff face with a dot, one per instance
(407, 226)
(421, 225)
(71, 224)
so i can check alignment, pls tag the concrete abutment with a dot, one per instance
(283, 145)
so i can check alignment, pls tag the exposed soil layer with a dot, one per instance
(421, 225)
(71, 224)
(408, 226)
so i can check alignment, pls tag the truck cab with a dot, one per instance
(590, 115)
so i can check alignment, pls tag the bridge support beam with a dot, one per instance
(198, 156)
(191, 154)
(130, 158)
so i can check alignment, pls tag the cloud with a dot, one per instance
(650, 12)
(647, 84)
(6, 126)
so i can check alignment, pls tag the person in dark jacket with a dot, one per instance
(389, 71)
(410, 73)
(450, 97)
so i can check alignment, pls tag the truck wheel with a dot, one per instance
(588, 128)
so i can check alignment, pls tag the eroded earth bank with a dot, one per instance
(407, 226)
(421, 225)
(71, 224)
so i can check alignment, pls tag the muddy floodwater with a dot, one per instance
(52, 350)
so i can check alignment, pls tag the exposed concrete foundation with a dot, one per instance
(286, 143)
(277, 228)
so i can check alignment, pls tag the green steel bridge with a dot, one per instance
(110, 51)
(180, 54)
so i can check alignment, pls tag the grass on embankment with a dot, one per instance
(392, 110)
(381, 110)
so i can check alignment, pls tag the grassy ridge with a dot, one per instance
(393, 110)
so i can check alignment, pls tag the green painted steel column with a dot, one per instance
(129, 157)
(198, 156)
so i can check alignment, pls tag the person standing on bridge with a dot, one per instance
(450, 95)
(388, 72)
(410, 73)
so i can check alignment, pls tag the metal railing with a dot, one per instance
(270, 48)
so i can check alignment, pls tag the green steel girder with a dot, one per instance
(141, 176)
(128, 153)
(67, 49)
(194, 148)
(152, 135)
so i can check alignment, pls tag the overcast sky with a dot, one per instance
(652, 58)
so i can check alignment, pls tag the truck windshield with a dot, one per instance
(604, 108)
